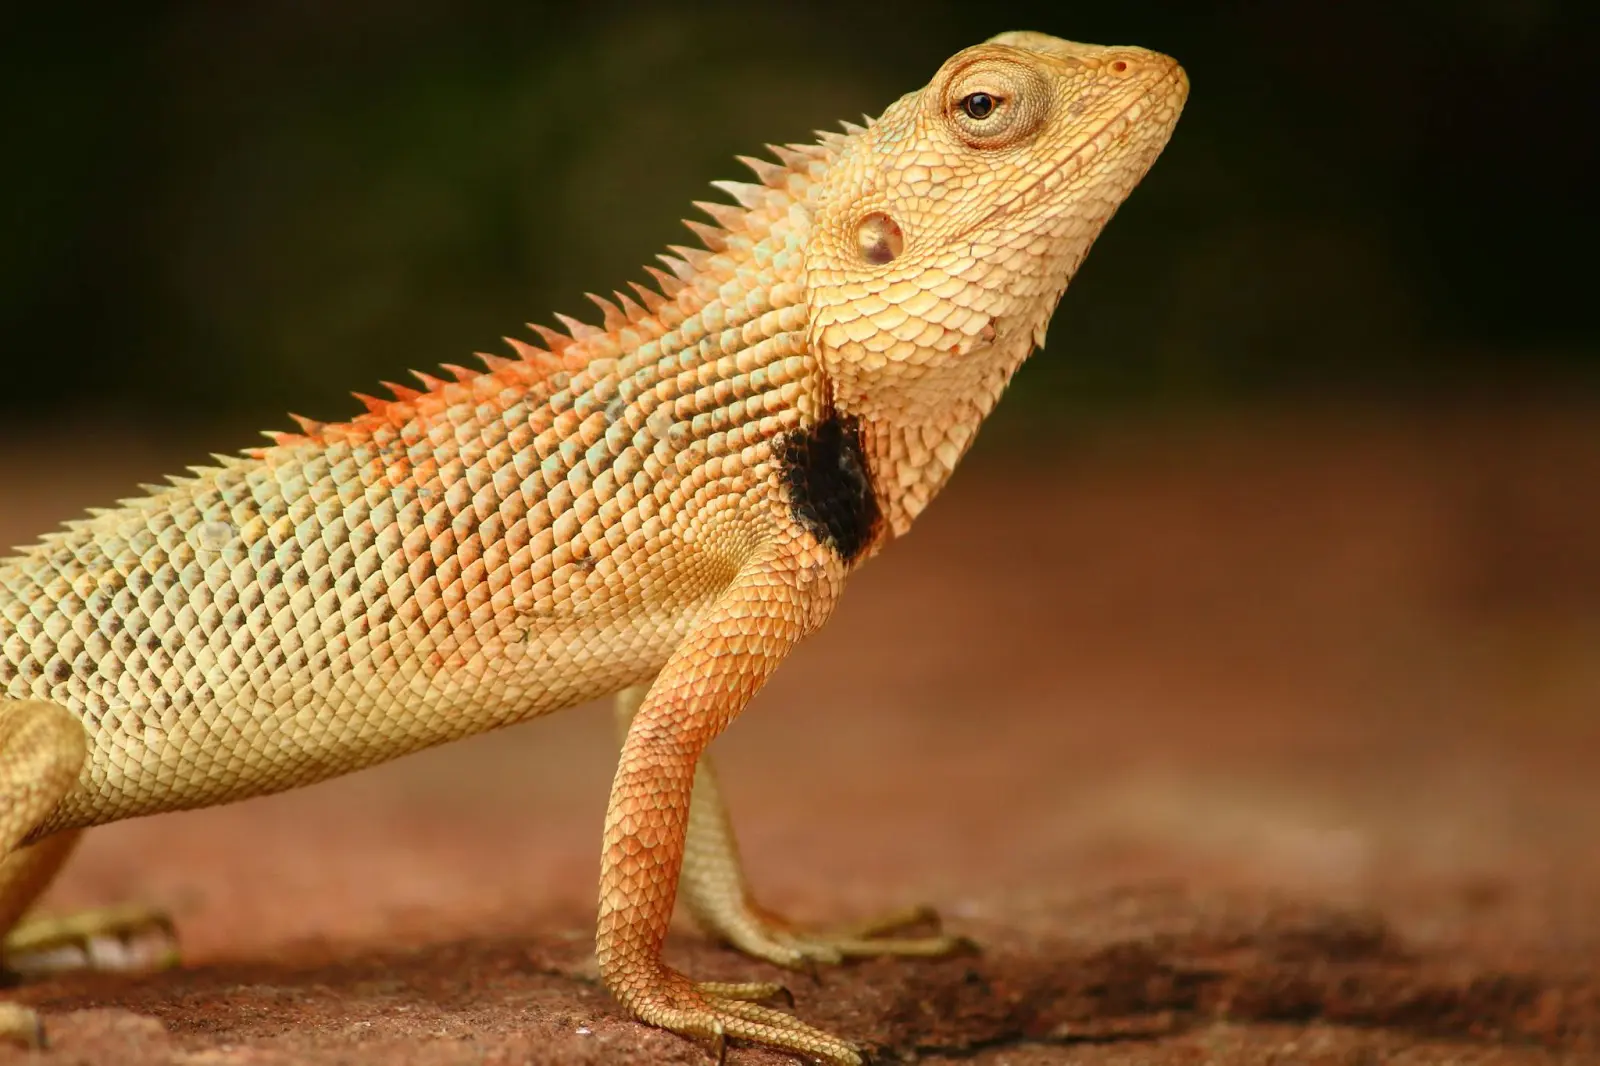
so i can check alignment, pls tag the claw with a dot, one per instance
(965, 945)
(811, 967)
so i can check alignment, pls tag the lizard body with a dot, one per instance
(670, 499)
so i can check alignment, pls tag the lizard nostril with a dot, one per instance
(1119, 67)
(880, 237)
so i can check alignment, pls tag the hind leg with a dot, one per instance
(42, 748)
(104, 938)
(26, 873)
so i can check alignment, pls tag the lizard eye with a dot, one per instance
(978, 106)
(994, 103)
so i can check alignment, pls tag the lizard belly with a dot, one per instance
(241, 739)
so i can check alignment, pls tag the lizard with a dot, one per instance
(657, 508)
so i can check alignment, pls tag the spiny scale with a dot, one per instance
(448, 560)
(792, 176)
(673, 497)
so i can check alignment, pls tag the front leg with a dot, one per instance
(783, 594)
(714, 889)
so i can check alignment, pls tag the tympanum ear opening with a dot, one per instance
(881, 238)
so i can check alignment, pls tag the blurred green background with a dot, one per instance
(218, 211)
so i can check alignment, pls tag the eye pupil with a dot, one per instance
(978, 105)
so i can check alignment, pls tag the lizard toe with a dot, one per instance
(774, 939)
(713, 1013)
(131, 937)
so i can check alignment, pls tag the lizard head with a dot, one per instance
(949, 228)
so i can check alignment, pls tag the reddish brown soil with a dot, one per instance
(1263, 741)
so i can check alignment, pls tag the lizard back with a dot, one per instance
(545, 531)
(513, 541)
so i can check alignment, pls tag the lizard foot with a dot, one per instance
(20, 1026)
(713, 1013)
(128, 937)
(759, 932)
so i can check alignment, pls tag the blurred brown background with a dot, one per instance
(1242, 694)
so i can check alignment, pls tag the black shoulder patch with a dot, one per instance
(830, 491)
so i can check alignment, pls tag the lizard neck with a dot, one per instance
(918, 346)
(916, 423)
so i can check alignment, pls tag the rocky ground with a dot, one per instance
(1251, 740)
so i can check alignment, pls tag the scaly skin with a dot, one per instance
(677, 494)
